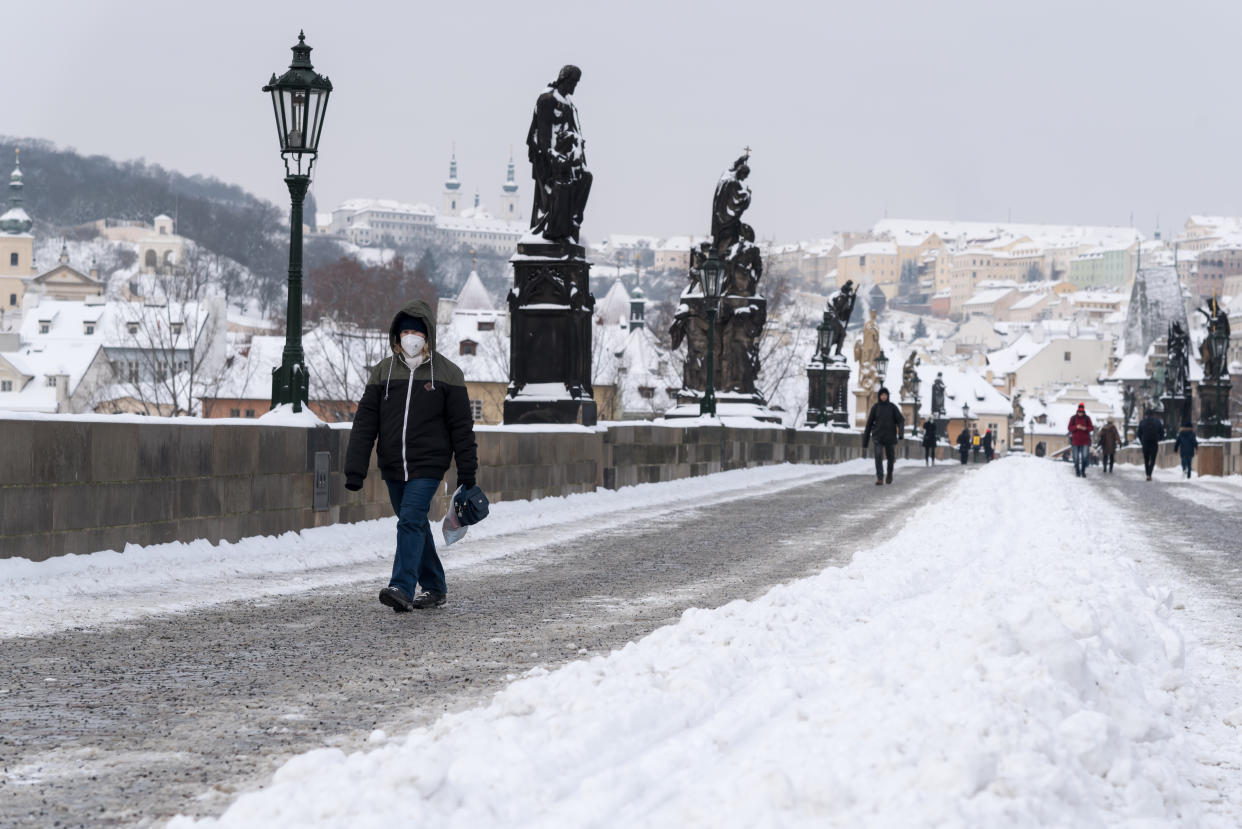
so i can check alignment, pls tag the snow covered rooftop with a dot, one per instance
(473, 296)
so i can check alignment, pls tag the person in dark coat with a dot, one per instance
(1108, 440)
(975, 443)
(989, 450)
(885, 424)
(1150, 432)
(1186, 444)
(416, 413)
(929, 443)
(963, 444)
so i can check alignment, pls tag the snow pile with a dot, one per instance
(1021, 675)
(104, 587)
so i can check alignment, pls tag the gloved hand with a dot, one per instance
(465, 483)
(353, 484)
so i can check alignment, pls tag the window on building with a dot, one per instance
(13, 259)
(1067, 357)
(131, 327)
(6, 385)
(234, 412)
(476, 410)
(13, 299)
(45, 327)
(131, 371)
(89, 328)
(467, 348)
(249, 412)
(646, 392)
(51, 379)
(176, 329)
(672, 392)
(486, 325)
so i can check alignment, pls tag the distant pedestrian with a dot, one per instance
(988, 449)
(1080, 429)
(1150, 432)
(976, 443)
(884, 424)
(416, 413)
(1108, 440)
(963, 444)
(1041, 449)
(1186, 444)
(929, 443)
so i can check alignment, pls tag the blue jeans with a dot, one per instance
(1080, 459)
(1186, 461)
(416, 561)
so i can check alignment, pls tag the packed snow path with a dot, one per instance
(177, 713)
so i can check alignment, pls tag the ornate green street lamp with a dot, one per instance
(299, 101)
(710, 271)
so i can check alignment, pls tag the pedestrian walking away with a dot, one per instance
(929, 443)
(1080, 429)
(963, 444)
(1109, 439)
(975, 444)
(885, 426)
(1150, 432)
(416, 414)
(988, 449)
(1186, 444)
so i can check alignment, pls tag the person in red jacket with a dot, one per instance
(1080, 429)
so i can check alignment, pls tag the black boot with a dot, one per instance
(395, 598)
(427, 600)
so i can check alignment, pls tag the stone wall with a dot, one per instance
(79, 485)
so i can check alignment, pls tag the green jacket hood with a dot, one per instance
(420, 310)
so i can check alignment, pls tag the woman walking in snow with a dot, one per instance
(1186, 444)
(416, 412)
(963, 443)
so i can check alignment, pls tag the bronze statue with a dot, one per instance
(837, 316)
(557, 155)
(1129, 402)
(744, 265)
(1214, 352)
(730, 201)
(1177, 373)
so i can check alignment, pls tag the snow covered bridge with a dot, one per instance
(981, 645)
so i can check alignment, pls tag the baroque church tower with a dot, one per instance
(451, 203)
(509, 210)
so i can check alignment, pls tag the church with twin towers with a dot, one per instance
(462, 217)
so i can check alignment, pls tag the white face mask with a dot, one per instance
(412, 344)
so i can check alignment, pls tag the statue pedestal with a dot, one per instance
(550, 310)
(863, 401)
(827, 387)
(911, 415)
(1214, 398)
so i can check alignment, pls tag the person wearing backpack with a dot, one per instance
(416, 413)
(1186, 444)
(963, 444)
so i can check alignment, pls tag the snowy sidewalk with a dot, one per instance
(83, 591)
(1001, 661)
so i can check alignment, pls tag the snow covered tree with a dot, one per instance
(1034, 273)
(920, 329)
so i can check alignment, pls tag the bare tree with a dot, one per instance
(167, 351)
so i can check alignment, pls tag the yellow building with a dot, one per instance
(16, 248)
(63, 282)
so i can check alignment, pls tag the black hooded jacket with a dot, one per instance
(884, 423)
(419, 421)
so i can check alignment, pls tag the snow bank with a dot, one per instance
(992, 665)
(98, 588)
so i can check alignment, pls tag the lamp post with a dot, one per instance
(965, 415)
(299, 101)
(1030, 437)
(710, 271)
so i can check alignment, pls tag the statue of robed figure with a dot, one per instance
(1214, 352)
(837, 316)
(557, 153)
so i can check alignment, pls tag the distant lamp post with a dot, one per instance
(710, 271)
(1030, 436)
(299, 101)
(881, 367)
(966, 415)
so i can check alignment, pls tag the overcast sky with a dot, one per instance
(1074, 112)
